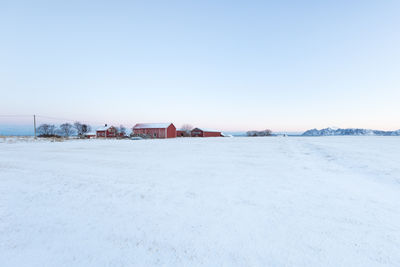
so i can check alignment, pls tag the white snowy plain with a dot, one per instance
(316, 201)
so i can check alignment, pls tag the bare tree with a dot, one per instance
(86, 128)
(267, 132)
(81, 129)
(46, 130)
(78, 128)
(66, 129)
(116, 131)
(187, 128)
(122, 130)
(251, 133)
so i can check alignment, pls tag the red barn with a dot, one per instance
(197, 132)
(155, 130)
(106, 132)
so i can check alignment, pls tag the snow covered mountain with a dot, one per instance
(349, 131)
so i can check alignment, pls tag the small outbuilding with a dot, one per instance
(155, 130)
(197, 132)
(90, 135)
(107, 132)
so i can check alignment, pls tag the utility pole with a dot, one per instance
(34, 124)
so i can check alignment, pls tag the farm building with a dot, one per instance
(90, 135)
(107, 132)
(155, 130)
(197, 132)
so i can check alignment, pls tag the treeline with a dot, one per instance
(68, 129)
(64, 130)
(266, 132)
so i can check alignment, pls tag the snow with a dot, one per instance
(207, 130)
(267, 201)
(152, 125)
(104, 128)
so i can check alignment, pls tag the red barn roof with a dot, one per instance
(207, 130)
(152, 125)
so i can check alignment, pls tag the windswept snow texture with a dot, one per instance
(201, 202)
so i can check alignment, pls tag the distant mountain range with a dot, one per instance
(349, 131)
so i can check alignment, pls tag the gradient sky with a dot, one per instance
(231, 65)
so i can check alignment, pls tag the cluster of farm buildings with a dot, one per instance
(154, 130)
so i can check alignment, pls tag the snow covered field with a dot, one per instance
(316, 201)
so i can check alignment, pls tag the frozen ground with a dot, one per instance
(317, 201)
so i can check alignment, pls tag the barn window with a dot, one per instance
(155, 134)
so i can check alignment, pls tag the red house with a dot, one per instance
(155, 130)
(197, 132)
(106, 132)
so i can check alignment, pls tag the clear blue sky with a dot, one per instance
(232, 65)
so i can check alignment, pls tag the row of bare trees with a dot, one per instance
(65, 129)
(266, 132)
(68, 129)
